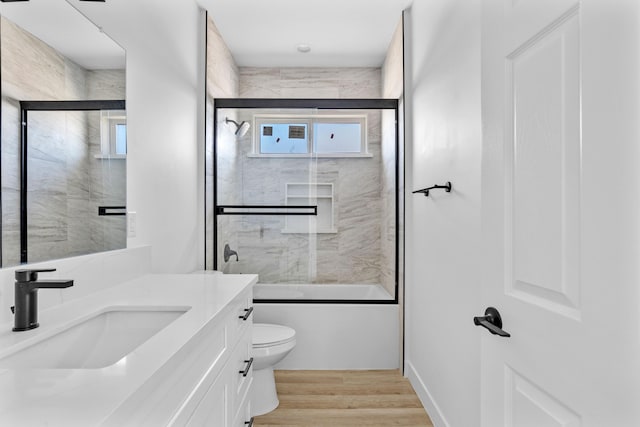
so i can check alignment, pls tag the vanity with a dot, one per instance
(161, 349)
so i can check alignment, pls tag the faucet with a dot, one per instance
(26, 297)
(228, 253)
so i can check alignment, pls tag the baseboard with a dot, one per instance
(436, 415)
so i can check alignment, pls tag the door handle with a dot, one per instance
(492, 321)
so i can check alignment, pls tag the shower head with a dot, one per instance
(241, 128)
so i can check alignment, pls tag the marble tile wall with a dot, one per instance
(392, 87)
(310, 82)
(354, 253)
(222, 82)
(63, 188)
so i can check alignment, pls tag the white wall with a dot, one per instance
(443, 231)
(165, 131)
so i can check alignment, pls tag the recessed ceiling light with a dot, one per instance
(304, 48)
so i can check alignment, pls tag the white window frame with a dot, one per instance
(310, 120)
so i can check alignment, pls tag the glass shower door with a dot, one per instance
(307, 195)
(265, 210)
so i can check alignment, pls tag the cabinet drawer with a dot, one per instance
(243, 308)
(242, 368)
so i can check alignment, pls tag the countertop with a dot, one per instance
(86, 397)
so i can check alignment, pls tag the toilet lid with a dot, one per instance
(265, 334)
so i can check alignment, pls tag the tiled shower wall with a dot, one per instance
(222, 82)
(392, 87)
(66, 183)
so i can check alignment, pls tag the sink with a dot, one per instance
(98, 341)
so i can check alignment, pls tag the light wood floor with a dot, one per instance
(344, 398)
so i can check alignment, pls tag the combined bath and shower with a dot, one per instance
(241, 128)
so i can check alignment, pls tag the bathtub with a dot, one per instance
(338, 335)
(320, 292)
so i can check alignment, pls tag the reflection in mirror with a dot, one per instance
(72, 200)
(76, 159)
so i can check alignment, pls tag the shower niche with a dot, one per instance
(309, 194)
(316, 194)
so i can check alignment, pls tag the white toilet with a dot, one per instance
(271, 343)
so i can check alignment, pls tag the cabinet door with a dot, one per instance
(243, 417)
(214, 408)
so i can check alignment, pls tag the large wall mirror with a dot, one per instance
(63, 171)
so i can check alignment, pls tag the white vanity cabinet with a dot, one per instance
(224, 399)
(193, 371)
(206, 383)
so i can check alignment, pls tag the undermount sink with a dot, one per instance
(97, 342)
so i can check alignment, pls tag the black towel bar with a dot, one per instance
(105, 210)
(447, 188)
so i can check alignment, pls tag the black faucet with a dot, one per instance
(26, 297)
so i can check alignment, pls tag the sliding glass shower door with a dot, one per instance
(306, 195)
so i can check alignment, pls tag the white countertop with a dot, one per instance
(86, 397)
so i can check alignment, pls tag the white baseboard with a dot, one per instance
(432, 408)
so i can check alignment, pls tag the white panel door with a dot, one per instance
(561, 213)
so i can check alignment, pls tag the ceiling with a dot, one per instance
(341, 33)
(65, 29)
(259, 33)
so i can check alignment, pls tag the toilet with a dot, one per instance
(271, 343)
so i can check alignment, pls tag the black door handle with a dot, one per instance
(492, 321)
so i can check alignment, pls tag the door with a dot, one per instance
(560, 213)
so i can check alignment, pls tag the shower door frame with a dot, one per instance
(25, 107)
(320, 104)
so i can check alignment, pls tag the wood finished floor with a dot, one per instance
(344, 398)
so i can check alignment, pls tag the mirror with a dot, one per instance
(66, 195)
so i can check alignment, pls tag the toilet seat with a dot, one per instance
(268, 335)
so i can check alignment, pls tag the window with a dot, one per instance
(333, 136)
(113, 135)
(306, 136)
(118, 137)
(284, 138)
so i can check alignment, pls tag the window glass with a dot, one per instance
(284, 138)
(337, 137)
(121, 138)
